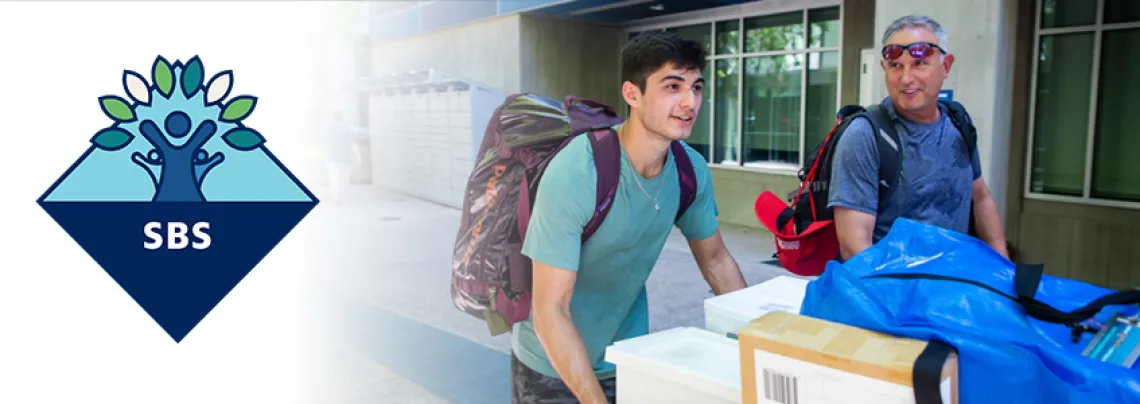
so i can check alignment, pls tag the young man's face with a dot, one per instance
(669, 105)
(914, 82)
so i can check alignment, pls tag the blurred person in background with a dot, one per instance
(341, 151)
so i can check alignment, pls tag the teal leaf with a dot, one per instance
(162, 76)
(243, 139)
(112, 139)
(238, 108)
(191, 77)
(117, 108)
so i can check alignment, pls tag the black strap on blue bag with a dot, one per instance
(1026, 280)
(926, 376)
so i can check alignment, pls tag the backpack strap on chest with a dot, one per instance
(687, 177)
(607, 164)
(890, 151)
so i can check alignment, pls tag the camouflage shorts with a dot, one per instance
(530, 387)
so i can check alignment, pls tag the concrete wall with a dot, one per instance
(486, 52)
(858, 34)
(517, 53)
(587, 65)
(981, 38)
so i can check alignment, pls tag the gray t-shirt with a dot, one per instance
(936, 186)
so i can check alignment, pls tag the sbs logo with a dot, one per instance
(177, 199)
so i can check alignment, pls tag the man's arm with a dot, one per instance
(717, 265)
(987, 219)
(553, 288)
(553, 243)
(854, 230)
(700, 227)
(854, 192)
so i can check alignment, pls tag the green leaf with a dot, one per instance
(117, 108)
(238, 108)
(191, 77)
(112, 139)
(162, 77)
(243, 139)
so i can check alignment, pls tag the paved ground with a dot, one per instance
(386, 283)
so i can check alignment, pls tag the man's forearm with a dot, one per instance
(850, 248)
(855, 231)
(989, 225)
(567, 353)
(723, 274)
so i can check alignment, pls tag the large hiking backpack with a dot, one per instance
(805, 232)
(491, 278)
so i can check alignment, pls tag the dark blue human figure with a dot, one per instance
(183, 167)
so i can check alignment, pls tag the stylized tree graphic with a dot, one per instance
(177, 169)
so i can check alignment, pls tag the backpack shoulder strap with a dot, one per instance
(961, 120)
(890, 150)
(687, 177)
(607, 163)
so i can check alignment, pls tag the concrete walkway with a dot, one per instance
(387, 261)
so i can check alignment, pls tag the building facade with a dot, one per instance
(1046, 82)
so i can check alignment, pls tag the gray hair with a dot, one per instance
(912, 21)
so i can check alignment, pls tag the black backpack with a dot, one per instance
(809, 203)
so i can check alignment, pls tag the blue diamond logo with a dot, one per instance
(177, 199)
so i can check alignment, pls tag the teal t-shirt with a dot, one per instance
(609, 301)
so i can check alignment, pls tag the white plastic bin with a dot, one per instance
(679, 365)
(727, 313)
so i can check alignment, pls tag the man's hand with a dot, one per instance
(717, 265)
(855, 230)
(555, 329)
(986, 218)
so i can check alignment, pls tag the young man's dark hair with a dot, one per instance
(649, 51)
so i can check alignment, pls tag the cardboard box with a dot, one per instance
(787, 358)
(725, 314)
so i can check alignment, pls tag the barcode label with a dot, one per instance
(781, 388)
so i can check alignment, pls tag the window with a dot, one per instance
(772, 86)
(1080, 137)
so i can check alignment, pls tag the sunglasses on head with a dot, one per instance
(918, 50)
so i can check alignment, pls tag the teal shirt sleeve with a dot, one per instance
(700, 221)
(563, 205)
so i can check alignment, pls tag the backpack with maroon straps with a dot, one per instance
(491, 278)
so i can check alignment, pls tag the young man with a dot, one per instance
(939, 181)
(588, 296)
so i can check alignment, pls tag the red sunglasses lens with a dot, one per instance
(892, 52)
(917, 51)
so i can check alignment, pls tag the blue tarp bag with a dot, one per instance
(1012, 325)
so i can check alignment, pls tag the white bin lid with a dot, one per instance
(686, 356)
(782, 293)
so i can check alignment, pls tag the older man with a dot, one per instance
(940, 183)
